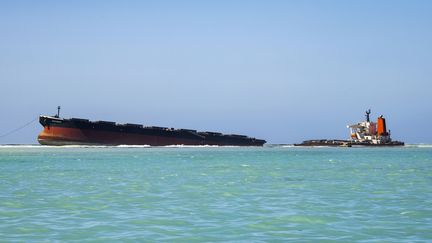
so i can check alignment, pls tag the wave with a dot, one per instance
(131, 146)
(288, 146)
(51, 146)
(108, 146)
(293, 146)
(74, 146)
(420, 145)
(197, 146)
(36, 146)
(20, 146)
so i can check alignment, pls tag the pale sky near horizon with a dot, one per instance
(284, 71)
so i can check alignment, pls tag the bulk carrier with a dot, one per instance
(365, 133)
(77, 131)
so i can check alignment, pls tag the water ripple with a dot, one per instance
(215, 194)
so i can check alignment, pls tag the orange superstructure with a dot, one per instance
(381, 126)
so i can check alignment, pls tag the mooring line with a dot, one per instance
(19, 128)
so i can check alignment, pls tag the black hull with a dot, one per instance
(58, 131)
(346, 143)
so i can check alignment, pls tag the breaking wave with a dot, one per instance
(287, 146)
(197, 146)
(418, 145)
(51, 146)
(20, 146)
(107, 146)
(36, 146)
(132, 146)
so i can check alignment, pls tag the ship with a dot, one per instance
(77, 131)
(365, 133)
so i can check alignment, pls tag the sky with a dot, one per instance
(284, 71)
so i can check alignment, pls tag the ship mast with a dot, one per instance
(58, 112)
(367, 115)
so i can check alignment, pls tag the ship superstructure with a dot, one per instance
(365, 133)
(371, 132)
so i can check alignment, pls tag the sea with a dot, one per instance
(215, 194)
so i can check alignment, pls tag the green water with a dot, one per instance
(271, 194)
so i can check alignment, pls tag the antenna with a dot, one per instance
(58, 111)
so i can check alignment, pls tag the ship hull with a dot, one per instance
(346, 143)
(77, 136)
(59, 132)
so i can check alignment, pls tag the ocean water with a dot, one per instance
(213, 194)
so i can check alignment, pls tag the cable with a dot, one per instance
(19, 128)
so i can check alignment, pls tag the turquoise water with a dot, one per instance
(209, 194)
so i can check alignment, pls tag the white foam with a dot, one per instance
(80, 146)
(196, 146)
(133, 146)
(52, 146)
(38, 146)
(21, 146)
(421, 145)
(107, 146)
(288, 146)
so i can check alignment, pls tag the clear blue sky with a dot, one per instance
(280, 70)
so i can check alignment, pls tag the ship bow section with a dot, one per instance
(57, 131)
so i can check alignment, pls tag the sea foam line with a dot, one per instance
(36, 146)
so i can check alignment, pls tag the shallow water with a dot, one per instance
(195, 194)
